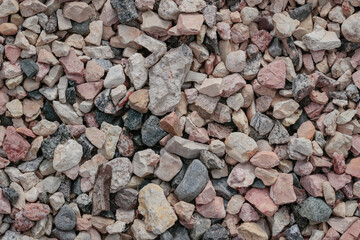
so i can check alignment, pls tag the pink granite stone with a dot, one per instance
(273, 75)
(15, 145)
(260, 198)
(73, 67)
(313, 184)
(213, 209)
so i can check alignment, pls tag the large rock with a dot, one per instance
(166, 78)
(193, 182)
(159, 215)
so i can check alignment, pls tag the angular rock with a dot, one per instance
(159, 216)
(165, 95)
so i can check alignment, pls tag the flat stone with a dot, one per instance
(184, 147)
(73, 67)
(114, 77)
(101, 194)
(213, 209)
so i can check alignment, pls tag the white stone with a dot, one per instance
(67, 155)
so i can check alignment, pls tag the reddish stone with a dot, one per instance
(43, 70)
(88, 91)
(353, 168)
(232, 84)
(265, 159)
(338, 181)
(90, 120)
(348, 191)
(199, 135)
(273, 75)
(73, 67)
(352, 232)
(306, 130)
(83, 224)
(313, 184)
(14, 145)
(5, 206)
(313, 110)
(207, 195)
(218, 131)
(320, 162)
(171, 124)
(301, 195)
(12, 53)
(4, 162)
(214, 209)
(76, 130)
(262, 39)
(356, 78)
(282, 191)
(25, 131)
(125, 144)
(355, 145)
(303, 168)
(248, 213)
(209, 64)
(36, 211)
(262, 201)
(21, 223)
(331, 234)
(355, 59)
(189, 24)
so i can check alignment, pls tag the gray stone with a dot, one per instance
(65, 219)
(165, 93)
(126, 10)
(302, 86)
(151, 132)
(315, 209)
(200, 226)
(193, 183)
(262, 123)
(216, 232)
(184, 147)
(210, 160)
(293, 233)
(279, 134)
(29, 67)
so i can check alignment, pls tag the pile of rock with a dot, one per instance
(179, 119)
